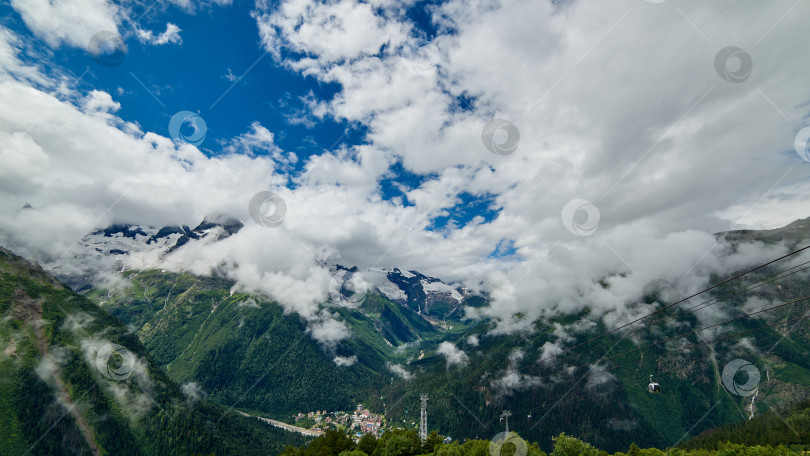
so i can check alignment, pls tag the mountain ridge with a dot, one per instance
(74, 380)
(232, 342)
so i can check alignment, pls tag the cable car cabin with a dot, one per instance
(653, 387)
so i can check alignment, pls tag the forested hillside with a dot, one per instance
(74, 380)
(245, 351)
(407, 443)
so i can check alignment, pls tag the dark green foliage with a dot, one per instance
(262, 359)
(367, 444)
(433, 439)
(399, 442)
(789, 426)
(41, 407)
(405, 443)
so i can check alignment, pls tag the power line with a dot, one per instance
(753, 286)
(709, 302)
(624, 387)
(700, 329)
(674, 304)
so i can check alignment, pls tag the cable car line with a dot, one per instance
(752, 286)
(697, 307)
(675, 303)
(701, 329)
(705, 304)
(702, 342)
(624, 387)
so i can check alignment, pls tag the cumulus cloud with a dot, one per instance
(345, 361)
(706, 156)
(399, 371)
(170, 35)
(193, 392)
(258, 140)
(452, 354)
(510, 380)
(67, 21)
(327, 330)
(333, 31)
(250, 303)
(598, 375)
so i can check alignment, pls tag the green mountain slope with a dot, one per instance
(790, 427)
(74, 380)
(245, 352)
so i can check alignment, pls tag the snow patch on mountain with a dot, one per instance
(441, 287)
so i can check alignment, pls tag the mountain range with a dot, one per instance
(410, 335)
(74, 380)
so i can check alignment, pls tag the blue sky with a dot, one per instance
(192, 76)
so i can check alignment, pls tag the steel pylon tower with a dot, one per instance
(423, 418)
(505, 416)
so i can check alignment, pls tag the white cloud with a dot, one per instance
(345, 361)
(171, 35)
(332, 31)
(193, 5)
(258, 140)
(193, 392)
(452, 354)
(598, 375)
(71, 22)
(327, 330)
(250, 303)
(665, 149)
(511, 381)
(399, 371)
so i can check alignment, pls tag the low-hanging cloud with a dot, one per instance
(644, 166)
(452, 354)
